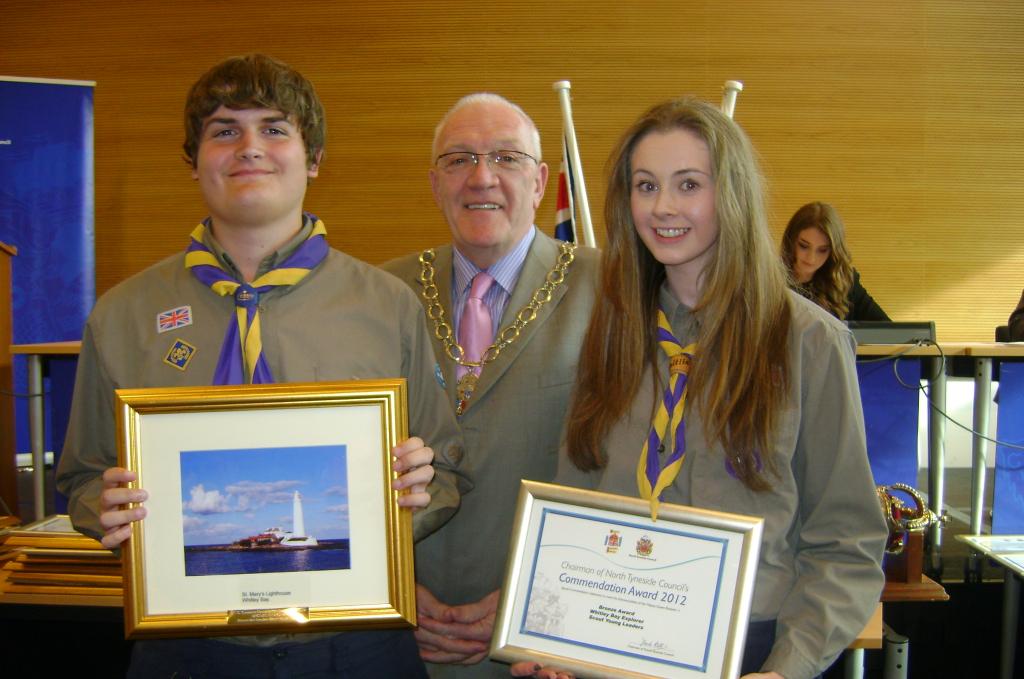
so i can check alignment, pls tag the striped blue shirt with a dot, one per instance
(505, 273)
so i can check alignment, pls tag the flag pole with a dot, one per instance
(730, 90)
(569, 132)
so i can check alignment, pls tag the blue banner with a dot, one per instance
(46, 211)
(890, 418)
(1008, 490)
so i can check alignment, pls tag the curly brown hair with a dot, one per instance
(830, 284)
(255, 81)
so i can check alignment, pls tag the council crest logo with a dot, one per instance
(644, 546)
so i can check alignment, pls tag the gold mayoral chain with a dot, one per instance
(443, 331)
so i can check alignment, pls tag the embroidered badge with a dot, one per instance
(173, 318)
(439, 377)
(180, 354)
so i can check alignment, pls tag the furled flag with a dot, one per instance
(565, 212)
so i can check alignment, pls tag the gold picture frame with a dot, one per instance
(218, 461)
(54, 531)
(594, 586)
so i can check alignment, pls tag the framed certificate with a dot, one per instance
(595, 586)
(270, 509)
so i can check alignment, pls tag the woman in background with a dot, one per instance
(814, 249)
(1016, 322)
(693, 292)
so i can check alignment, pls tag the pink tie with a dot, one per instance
(475, 330)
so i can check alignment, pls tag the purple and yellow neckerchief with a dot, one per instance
(241, 355)
(651, 476)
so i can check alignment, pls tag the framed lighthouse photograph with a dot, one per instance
(244, 511)
(270, 509)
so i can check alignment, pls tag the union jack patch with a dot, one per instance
(179, 355)
(173, 318)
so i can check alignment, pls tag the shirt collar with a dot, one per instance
(270, 260)
(505, 271)
(680, 317)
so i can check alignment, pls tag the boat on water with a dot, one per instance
(270, 538)
(275, 538)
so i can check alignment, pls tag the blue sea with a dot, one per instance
(332, 555)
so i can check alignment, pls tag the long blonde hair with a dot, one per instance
(830, 285)
(740, 376)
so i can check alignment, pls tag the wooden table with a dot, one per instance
(926, 590)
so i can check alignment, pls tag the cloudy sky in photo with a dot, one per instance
(232, 494)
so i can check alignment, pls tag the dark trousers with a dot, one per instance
(351, 655)
(760, 638)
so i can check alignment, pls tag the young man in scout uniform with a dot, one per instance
(254, 139)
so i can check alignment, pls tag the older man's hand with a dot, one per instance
(458, 635)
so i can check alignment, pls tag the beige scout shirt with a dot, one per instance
(345, 320)
(819, 572)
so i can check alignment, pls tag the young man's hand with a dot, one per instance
(115, 518)
(412, 462)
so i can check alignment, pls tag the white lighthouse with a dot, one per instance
(298, 537)
(298, 524)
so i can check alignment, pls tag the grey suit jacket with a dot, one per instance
(512, 424)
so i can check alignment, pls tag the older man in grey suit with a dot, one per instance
(510, 389)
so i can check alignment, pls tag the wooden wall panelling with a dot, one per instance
(906, 115)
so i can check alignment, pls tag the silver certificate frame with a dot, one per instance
(594, 586)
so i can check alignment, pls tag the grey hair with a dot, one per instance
(487, 98)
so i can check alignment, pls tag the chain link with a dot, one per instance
(443, 331)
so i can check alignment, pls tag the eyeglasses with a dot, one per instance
(504, 161)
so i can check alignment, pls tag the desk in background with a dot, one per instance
(933, 370)
(983, 352)
(1012, 401)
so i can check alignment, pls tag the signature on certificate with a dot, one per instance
(653, 645)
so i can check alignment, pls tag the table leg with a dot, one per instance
(936, 459)
(36, 430)
(1011, 604)
(897, 649)
(982, 412)
(853, 665)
